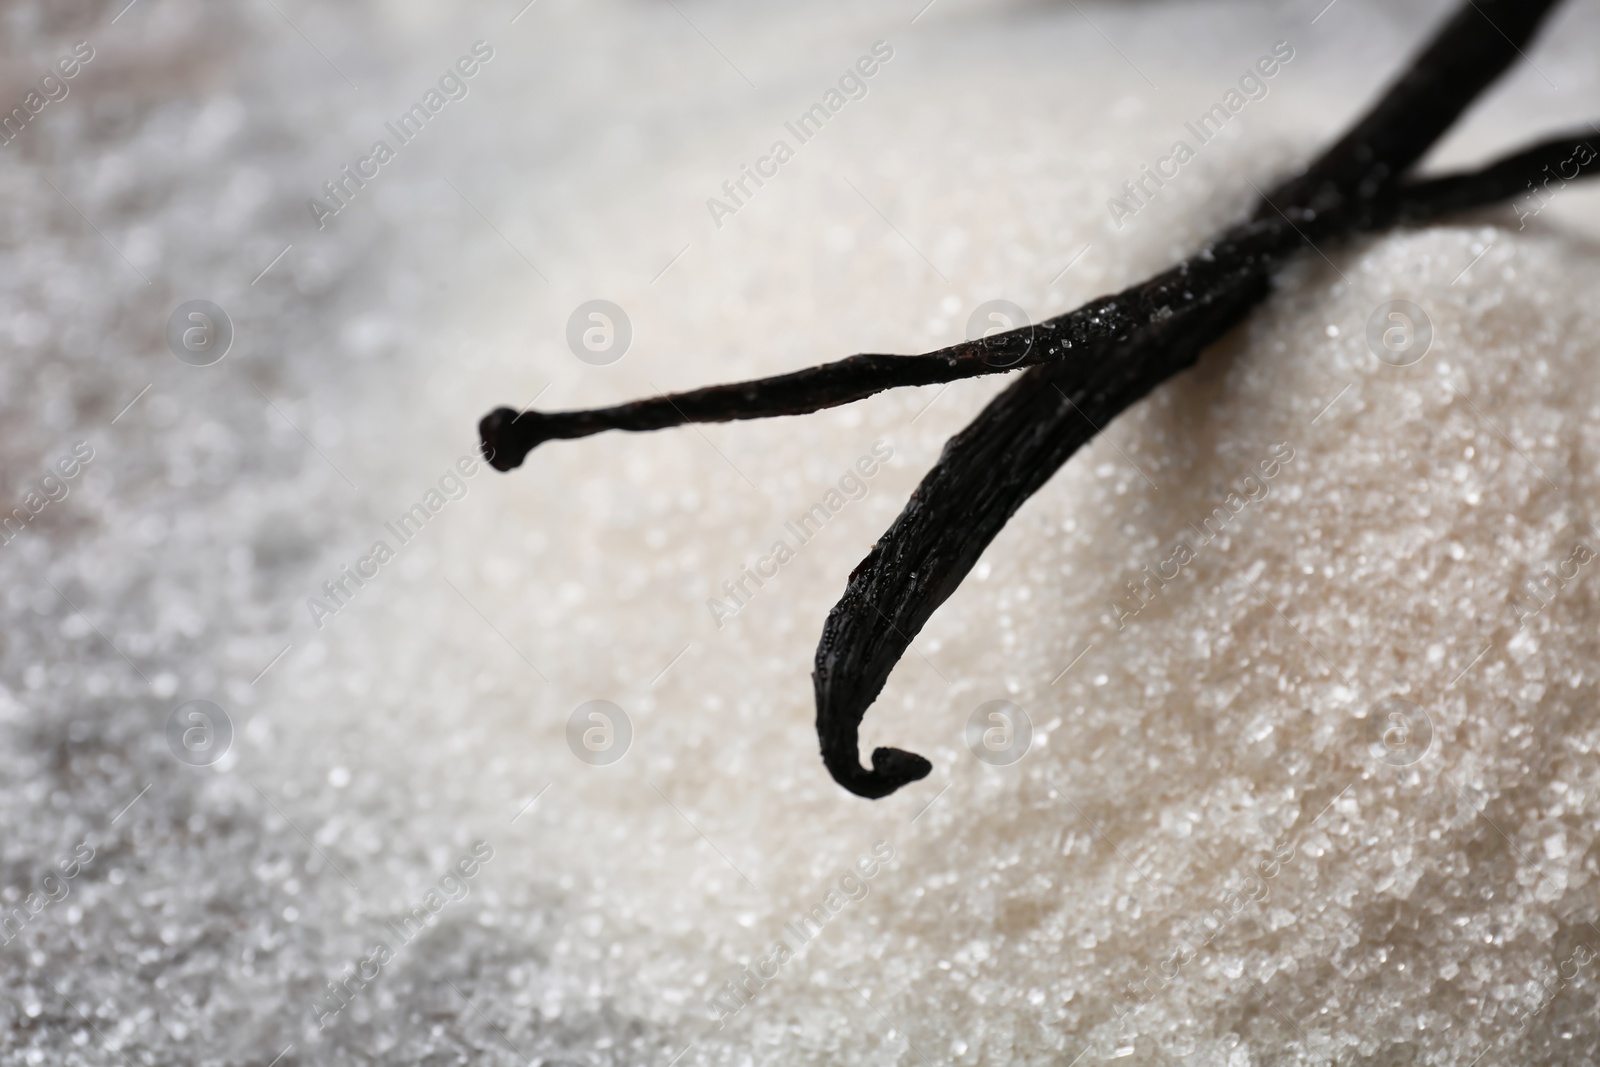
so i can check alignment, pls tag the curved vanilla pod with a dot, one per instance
(985, 473)
(1018, 442)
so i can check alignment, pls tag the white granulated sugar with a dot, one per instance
(1324, 794)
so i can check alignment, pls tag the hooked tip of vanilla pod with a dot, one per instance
(894, 767)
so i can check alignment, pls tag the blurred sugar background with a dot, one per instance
(1431, 896)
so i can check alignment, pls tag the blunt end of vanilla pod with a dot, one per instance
(508, 436)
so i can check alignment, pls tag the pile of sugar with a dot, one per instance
(1220, 848)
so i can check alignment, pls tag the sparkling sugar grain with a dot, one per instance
(1327, 796)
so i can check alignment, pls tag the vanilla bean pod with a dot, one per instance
(986, 471)
(1083, 335)
(1025, 434)
(1085, 367)
(1465, 56)
(1451, 194)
